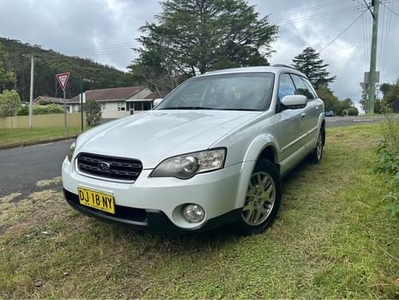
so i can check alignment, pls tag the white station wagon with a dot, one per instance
(211, 153)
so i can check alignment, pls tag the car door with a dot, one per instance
(292, 127)
(312, 110)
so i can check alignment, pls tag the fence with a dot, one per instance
(41, 121)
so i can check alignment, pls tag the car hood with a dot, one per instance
(156, 135)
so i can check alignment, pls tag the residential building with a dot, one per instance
(48, 99)
(117, 102)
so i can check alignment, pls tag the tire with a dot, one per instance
(262, 200)
(317, 153)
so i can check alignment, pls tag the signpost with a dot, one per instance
(62, 79)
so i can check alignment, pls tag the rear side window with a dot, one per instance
(286, 86)
(301, 88)
(310, 87)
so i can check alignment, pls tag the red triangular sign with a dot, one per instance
(62, 79)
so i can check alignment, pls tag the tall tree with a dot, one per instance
(195, 36)
(310, 64)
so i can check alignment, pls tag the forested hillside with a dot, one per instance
(48, 63)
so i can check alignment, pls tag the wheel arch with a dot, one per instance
(262, 147)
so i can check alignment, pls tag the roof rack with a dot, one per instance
(285, 66)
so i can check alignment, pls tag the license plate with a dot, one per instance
(97, 200)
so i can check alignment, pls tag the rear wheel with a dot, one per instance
(262, 200)
(317, 153)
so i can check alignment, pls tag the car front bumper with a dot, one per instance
(156, 203)
(154, 220)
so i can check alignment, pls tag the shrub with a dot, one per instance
(10, 103)
(353, 111)
(388, 163)
(23, 111)
(41, 110)
(93, 112)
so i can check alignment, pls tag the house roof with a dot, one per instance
(110, 94)
(155, 95)
(49, 99)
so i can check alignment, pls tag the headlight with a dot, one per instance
(71, 151)
(187, 165)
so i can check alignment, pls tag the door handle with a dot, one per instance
(317, 109)
(303, 115)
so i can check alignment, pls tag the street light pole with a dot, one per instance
(32, 65)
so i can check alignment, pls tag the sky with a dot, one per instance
(106, 31)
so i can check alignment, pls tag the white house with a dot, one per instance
(117, 102)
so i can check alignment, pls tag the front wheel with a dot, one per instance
(262, 200)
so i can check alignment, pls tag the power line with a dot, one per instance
(320, 15)
(386, 40)
(365, 41)
(285, 14)
(390, 9)
(349, 26)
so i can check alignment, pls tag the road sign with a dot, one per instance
(62, 79)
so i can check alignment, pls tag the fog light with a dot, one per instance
(193, 213)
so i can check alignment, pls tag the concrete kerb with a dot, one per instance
(32, 143)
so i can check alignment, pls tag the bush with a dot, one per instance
(353, 111)
(10, 103)
(93, 112)
(388, 163)
(41, 110)
(23, 111)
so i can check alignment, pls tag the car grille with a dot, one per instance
(114, 168)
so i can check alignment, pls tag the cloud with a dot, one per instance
(106, 32)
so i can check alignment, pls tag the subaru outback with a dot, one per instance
(213, 152)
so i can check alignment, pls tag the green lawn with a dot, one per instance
(332, 239)
(20, 136)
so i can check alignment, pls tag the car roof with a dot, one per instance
(261, 69)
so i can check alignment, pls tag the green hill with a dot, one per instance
(48, 63)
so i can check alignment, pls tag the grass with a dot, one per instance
(18, 136)
(332, 240)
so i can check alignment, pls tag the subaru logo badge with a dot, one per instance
(104, 166)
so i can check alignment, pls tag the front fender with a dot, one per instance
(252, 154)
(260, 143)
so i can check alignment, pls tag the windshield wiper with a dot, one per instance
(188, 107)
(241, 109)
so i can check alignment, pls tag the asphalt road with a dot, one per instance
(21, 168)
(348, 121)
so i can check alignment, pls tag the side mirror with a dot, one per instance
(294, 101)
(157, 101)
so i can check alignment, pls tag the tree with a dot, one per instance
(332, 102)
(9, 103)
(93, 112)
(310, 64)
(195, 36)
(6, 74)
(47, 64)
(390, 92)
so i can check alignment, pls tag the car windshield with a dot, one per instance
(241, 91)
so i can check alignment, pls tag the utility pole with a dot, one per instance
(372, 79)
(32, 65)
